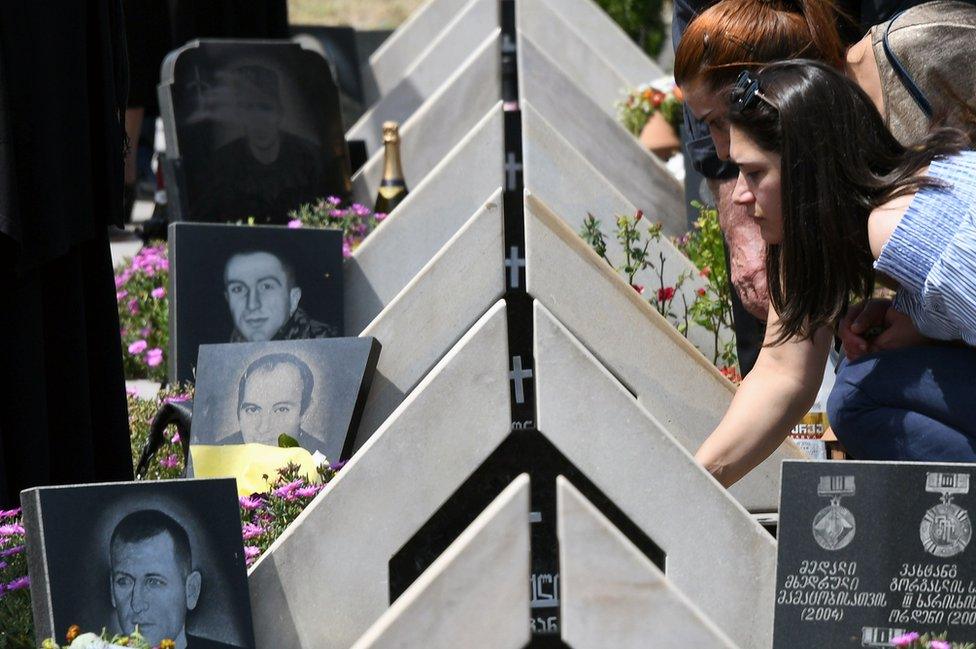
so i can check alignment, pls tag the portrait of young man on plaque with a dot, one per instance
(166, 557)
(231, 283)
(312, 391)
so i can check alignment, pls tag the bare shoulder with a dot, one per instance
(885, 218)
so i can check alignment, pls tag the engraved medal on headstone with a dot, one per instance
(833, 526)
(946, 529)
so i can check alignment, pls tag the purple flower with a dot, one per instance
(3, 564)
(294, 224)
(904, 640)
(9, 552)
(251, 554)
(120, 281)
(250, 530)
(154, 357)
(11, 529)
(308, 492)
(346, 250)
(250, 503)
(17, 584)
(138, 347)
(287, 491)
(335, 200)
(131, 392)
(133, 306)
(158, 293)
(939, 644)
(9, 513)
(337, 214)
(121, 295)
(171, 461)
(379, 216)
(335, 466)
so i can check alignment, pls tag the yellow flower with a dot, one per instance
(49, 643)
(167, 644)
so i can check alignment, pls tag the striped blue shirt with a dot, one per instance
(932, 253)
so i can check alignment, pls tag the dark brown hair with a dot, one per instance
(736, 34)
(839, 162)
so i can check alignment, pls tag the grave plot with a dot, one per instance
(429, 216)
(474, 594)
(390, 62)
(472, 25)
(612, 596)
(573, 188)
(441, 122)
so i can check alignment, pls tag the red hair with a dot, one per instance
(736, 34)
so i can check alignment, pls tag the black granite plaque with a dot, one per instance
(311, 390)
(256, 126)
(164, 555)
(235, 283)
(871, 550)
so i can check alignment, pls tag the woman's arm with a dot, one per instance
(778, 391)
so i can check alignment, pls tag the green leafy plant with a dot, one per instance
(140, 289)
(356, 221)
(704, 246)
(640, 103)
(642, 20)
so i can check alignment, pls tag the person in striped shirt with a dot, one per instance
(839, 201)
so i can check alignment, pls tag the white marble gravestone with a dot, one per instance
(573, 188)
(721, 559)
(675, 383)
(443, 120)
(443, 300)
(430, 215)
(472, 25)
(612, 595)
(590, 56)
(474, 595)
(390, 62)
(336, 552)
(636, 173)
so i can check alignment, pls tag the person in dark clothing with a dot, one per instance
(63, 416)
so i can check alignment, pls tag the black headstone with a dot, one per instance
(235, 283)
(871, 550)
(256, 128)
(176, 561)
(312, 390)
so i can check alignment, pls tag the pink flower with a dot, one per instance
(176, 438)
(120, 281)
(335, 200)
(250, 530)
(294, 224)
(158, 293)
(250, 503)
(638, 287)
(121, 295)
(131, 392)
(154, 357)
(700, 292)
(11, 529)
(904, 640)
(251, 554)
(133, 306)
(379, 216)
(9, 513)
(346, 250)
(308, 492)
(706, 271)
(287, 491)
(939, 644)
(171, 461)
(138, 347)
(665, 294)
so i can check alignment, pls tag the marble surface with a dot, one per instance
(472, 25)
(474, 595)
(420, 226)
(334, 557)
(442, 121)
(721, 559)
(443, 300)
(612, 595)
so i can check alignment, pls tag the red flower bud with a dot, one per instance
(638, 216)
(638, 287)
(665, 294)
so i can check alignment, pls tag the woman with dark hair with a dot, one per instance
(837, 197)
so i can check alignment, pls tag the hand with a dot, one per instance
(896, 330)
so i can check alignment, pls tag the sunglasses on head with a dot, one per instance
(746, 93)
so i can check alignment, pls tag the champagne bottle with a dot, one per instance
(393, 187)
